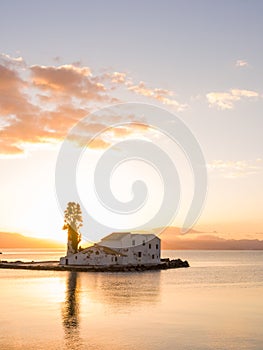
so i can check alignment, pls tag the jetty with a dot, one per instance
(54, 266)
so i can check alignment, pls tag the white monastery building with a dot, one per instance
(118, 248)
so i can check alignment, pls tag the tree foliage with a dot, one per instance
(73, 222)
(73, 216)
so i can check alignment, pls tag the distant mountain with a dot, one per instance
(172, 231)
(173, 239)
(15, 240)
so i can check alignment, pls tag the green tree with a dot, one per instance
(73, 222)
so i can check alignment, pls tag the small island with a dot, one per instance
(117, 252)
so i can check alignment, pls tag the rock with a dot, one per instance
(176, 263)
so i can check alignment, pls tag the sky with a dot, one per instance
(62, 61)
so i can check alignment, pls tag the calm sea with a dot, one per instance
(217, 303)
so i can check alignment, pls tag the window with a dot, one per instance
(116, 259)
(150, 246)
(76, 257)
(143, 242)
(133, 242)
(139, 254)
(157, 246)
(153, 256)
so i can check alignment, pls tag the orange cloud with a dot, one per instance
(130, 128)
(99, 144)
(29, 124)
(69, 80)
(58, 122)
(40, 104)
(23, 122)
(11, 97)
(17, 112)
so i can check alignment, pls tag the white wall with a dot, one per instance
(148, 252)
(91, 256)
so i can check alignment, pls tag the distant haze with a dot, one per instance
(15, 240)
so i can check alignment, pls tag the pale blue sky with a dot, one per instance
(189, 47)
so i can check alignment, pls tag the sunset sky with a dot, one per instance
(62, 60)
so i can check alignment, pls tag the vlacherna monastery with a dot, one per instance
(116, 249)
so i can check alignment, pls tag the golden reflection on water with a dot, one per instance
(89, 295)
(70, 312)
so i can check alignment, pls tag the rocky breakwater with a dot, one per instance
(174, 263)
(54, 266)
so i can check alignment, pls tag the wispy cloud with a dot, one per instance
(166, 97)
(8, 60)
(226, 100)
(118, 77)
(236, 169)
(242, 63)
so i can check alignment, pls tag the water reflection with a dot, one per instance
(128, 290)
(70, 312)
(109, 296)
(209, 306)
